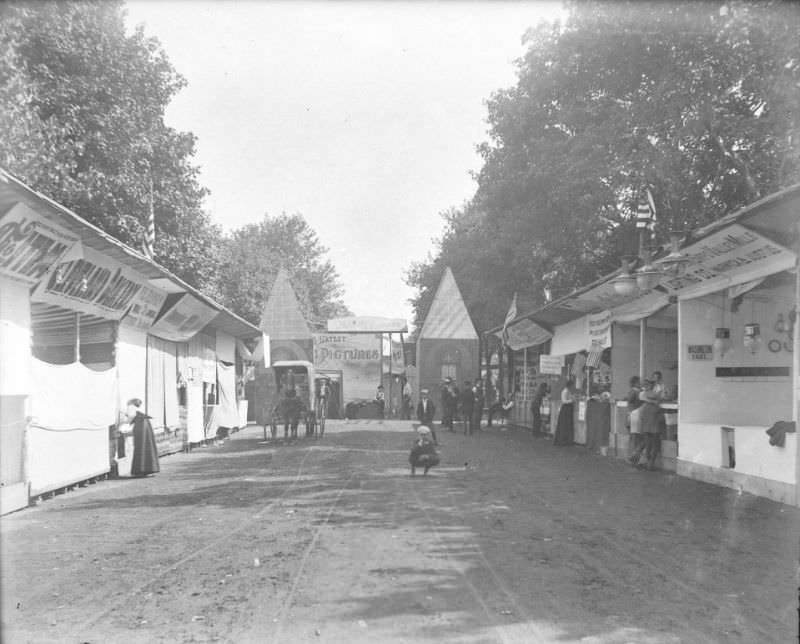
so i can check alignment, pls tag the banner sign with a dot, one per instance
(29, 245)
(186, 317)
(730, 253)
(526, 333)
(96, 284)
(701, 352)
(144, 308)
(551, 365)
(599, 330)
(356, 355)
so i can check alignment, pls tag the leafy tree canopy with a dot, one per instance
(699, 101)
(252, 255)
(81, 116)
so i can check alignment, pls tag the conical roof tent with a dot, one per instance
(448, 317)
(283, 318)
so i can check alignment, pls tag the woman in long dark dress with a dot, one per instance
(145, 452)
(565, 428)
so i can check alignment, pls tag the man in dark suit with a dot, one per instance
(425, 411)
(467, 407)
(479, 398)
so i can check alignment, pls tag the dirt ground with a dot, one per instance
(509, 540)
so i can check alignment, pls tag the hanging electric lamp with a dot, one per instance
(625, 283)
(752, 337)
(722, 340)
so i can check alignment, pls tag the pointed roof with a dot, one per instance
(282, 318)
(448, 317)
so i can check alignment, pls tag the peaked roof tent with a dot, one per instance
(448, 316)
(282, 318)
(13, 191)
(774, 218)
(367, 324)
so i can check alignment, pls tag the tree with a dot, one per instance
(696, 100)
(81, 112)
(252, 255)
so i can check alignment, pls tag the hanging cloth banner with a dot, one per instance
(186, 317)
(95, 284)
(29, 245)
(599, 331)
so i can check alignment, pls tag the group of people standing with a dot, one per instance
(646, 420)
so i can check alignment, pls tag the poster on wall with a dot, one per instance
(356, 355)
(551, 365)
(29, 245)
(186, 317)
(94, 284)
(144, 308)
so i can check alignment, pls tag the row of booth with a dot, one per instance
(721, 328)
(87, 323)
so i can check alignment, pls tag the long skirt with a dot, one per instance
(565, 428)
(536, 416)
(145, 452)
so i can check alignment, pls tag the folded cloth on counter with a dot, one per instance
(777, 433)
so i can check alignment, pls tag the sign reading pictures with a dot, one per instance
(29, 245)
(701, 352)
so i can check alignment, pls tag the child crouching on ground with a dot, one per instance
(423, 453)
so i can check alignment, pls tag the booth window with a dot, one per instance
(61, 336)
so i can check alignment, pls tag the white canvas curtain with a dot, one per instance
(228, 411)
(162, 383)
(72, 396)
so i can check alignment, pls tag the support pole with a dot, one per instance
(642, 347)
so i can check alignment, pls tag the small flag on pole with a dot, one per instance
(512, 313)
(646, 212)
(149, 238)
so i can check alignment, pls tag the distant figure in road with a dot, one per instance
(649, 414)
(406, 404)
(423, 453)
(502, 407)
(449, 403)
(425, 412)
(380, 398)
(634, 425)
(478, 398)
(565, 428)
(467, 407)
(536, 404)
(145, 452)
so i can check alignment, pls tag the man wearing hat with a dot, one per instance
(425, 411)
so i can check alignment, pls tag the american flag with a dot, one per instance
(149, 237)
(593, 359)
(646, 212)
(512, 313)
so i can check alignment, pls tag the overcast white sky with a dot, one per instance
(362, 116)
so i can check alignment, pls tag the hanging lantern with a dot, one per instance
(648, 276)
(752, 337)
(675, 263)
(722, 341)
(625, 283)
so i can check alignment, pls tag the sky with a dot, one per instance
(361, 116)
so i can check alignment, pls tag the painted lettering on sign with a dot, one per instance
(701, 352)
(29, 245)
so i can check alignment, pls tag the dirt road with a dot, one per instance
(510, 540)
